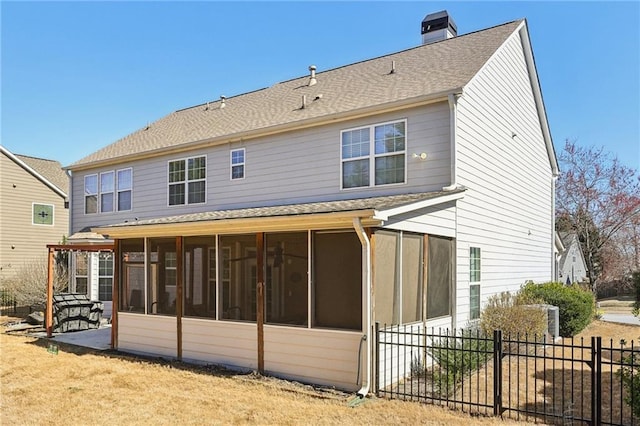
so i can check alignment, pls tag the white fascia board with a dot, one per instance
(386, 214)
(31, 171)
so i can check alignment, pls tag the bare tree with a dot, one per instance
(29, 286)
(597, 197)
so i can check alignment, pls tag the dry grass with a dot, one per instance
(543, 384)
(81, 386)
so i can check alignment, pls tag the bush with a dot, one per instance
(576, 306)
(29, 286)
(630, 376)
(512, 315)
(459, 355)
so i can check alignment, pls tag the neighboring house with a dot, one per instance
(33, 210)
(572, 266)
(272, 229)
(558, 251)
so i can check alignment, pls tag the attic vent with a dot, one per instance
(222, 101)
(438, 26)
(312, 77)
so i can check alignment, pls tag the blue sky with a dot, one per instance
(77, 76)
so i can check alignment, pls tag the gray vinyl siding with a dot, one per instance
(507, 209)
(18, 191)
(288, 168)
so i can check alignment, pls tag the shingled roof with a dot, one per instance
(429, 70)
(49, 169)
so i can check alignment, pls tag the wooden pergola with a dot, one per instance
(109, 247)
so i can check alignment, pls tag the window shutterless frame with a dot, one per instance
(237, 159)
(187, 181)
(124, 189)
(91, 194)
(373, 155)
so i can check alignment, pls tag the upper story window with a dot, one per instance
(91, 194)
(42, 214)
(125, 186)
(108, 192)
(374, 155)
(187, 181)
(237, 163)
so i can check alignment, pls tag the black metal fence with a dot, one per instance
(8, 300)
(525, 378)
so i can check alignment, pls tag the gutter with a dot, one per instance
(275, 129)
(366, 277)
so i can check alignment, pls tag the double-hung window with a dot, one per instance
(237, 164)
(106, 192)
(474, 282)
(125, 185)
(374, 155)
(91, 194)
(187, 181)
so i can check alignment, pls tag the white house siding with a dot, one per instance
(325, 357)
(436, 220)
(402, 349)
(576, 269)
(147, 334)
(231, 344)
(507, 210)
(293, 167)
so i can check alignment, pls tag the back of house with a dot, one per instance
(271, 230)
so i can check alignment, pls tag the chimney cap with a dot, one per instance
(437, 21)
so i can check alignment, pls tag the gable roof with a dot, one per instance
(423, 74)
(49, 172)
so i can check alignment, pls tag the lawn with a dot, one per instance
(82, 386)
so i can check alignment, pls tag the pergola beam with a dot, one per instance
(52, 248)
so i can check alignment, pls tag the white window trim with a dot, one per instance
(105, 276)
(186, 180)
(96, 194)
(118, 191)
(112, 192)
(372, 155)
(115, 192)
(475, 283)
(243, 164)
(53, 214)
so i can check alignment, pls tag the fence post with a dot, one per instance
(497, 372)
(596, 380)
(376, 370)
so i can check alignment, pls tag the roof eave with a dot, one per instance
(384, 215)
(318, 221)
(33, 172)
(267, 131)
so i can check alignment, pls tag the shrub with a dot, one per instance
(512, 315)
(459, 355)
(576, 306)
(29, 286)
(630, 376)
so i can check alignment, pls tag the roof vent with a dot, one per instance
(312, 77)
(222, 101)
(438, 26)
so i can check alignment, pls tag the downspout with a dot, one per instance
(555, 276)
(366, 303)
(453, 124)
